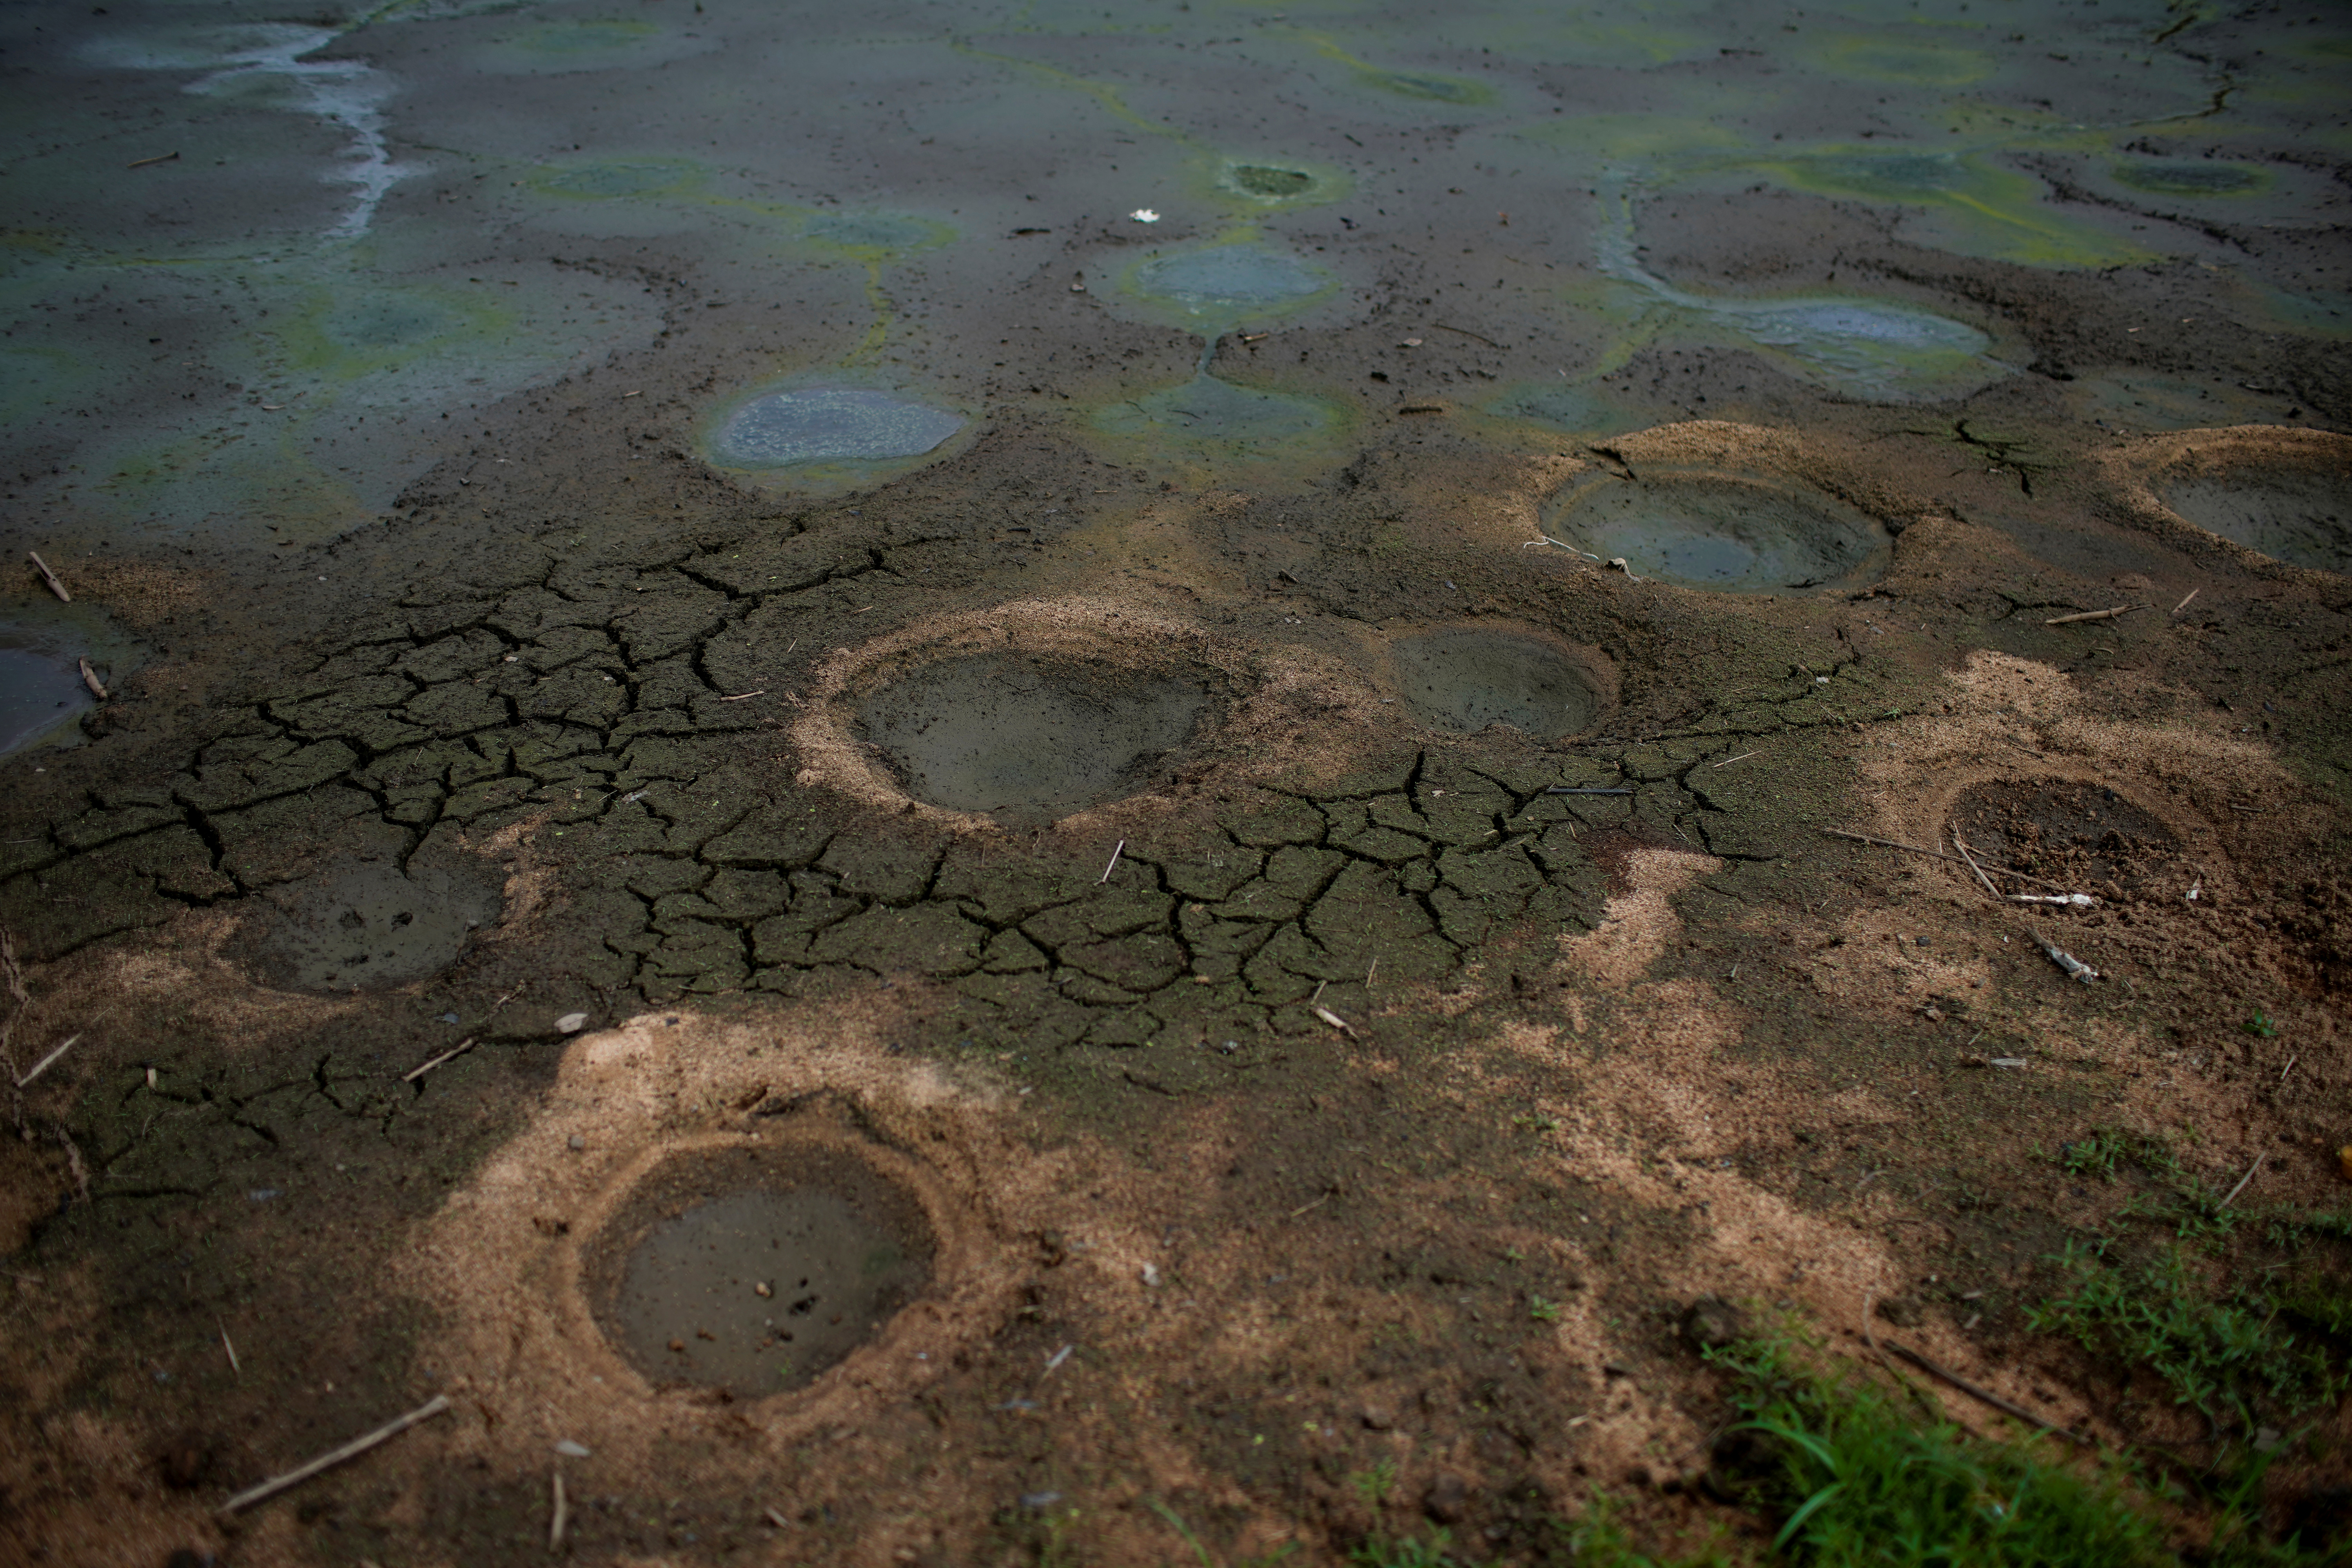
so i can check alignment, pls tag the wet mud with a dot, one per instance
(1179, 704)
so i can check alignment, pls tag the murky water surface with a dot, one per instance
(1027, 738)
(1733, 535)
(756, 1274)
(263, 274)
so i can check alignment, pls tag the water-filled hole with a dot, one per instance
(1229, 275)
(1027, 737)
(2301, 517)
(829, 424)
(1466, 677)
(368, 924)
(756, 1269)
(1735, 536)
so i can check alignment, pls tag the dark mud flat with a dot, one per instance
(1161, 698)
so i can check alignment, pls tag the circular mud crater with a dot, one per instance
(1729, 535)
(755, 1268)
(2300, 516)
(2086, 837)
(368, 924)
(1467, 678)
(1026, 737)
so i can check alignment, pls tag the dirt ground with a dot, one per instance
(1263, 1071)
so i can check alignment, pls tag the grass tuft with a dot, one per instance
(2231, 1361)
(1855, 1479)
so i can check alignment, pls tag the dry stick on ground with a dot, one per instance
(233, 1365)
(2095, 615)
(559, 1515)
(89, 678)
(2244, 1180)
(159, 158)
(1995, 1400)
(43, 1065)
(2184, 604)
(1932, 854)
(452, 1054)
(328, 1461)
(1961, 844)
(1114, 863)
(57, 585)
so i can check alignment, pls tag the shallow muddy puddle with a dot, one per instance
(756, 1276)
(1731, 535)
(2304, 519)
(1026, 739)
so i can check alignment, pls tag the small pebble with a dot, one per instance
(576, 1141)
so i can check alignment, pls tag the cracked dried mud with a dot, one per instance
(756, 840)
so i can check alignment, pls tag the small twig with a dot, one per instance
(1729, 761)
(328, 1461)
(233, 1365)
(2184, 604)
(1464, 332)
(1057, 1358)
(1310, 1207)
(560, 1513)
(1995, 1400)
(1376, 964)
(43, 1065)
(2289, 1068)
(775, 1517)
(2095, 615)
(745, 696)
(459, 1049)
(2242, 1180)
(1959, 843)
(158, 158)
(57, 585)
(1115, 853)
(1335, 1021)
(89, 678)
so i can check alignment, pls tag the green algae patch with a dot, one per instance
(620, 179)
(2192, 177)
(1219, 288)
(1211, 417)
(347, 332)
(1578, 408)
(586, 44)
(874, 237)
(1273, 183)
(1975, 205)
(1898, 62)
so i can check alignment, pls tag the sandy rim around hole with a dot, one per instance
(597, 1254)
(1260, 682)
(1839, 468)
(507, 1262)
(2139, 470)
